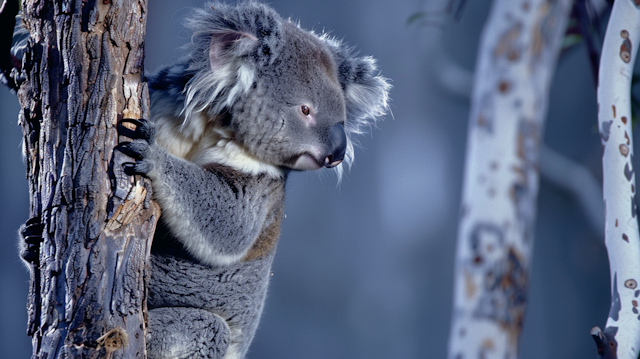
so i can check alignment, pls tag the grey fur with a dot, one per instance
(254, 98)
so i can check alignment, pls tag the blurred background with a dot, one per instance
(364, 269)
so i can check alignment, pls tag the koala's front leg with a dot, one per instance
(180, 332)
(216, 215)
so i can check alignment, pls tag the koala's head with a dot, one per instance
(291, 98)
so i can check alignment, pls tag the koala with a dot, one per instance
(255, 98)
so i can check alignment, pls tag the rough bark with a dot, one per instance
(518, 52)
(621, 336)
(83, 69)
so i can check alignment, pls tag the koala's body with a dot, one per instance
(255, 98)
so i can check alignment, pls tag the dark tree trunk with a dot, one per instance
(83, 69)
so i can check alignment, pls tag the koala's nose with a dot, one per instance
(338, 143)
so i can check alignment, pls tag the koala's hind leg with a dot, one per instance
(31, 237)
(179, 332)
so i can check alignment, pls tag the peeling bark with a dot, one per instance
(518, 52)
(83, 71)
(622, 331)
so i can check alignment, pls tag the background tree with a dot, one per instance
(621, 336)
(502, 280)
(518, 51)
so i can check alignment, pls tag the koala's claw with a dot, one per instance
(136, 150)
(138, 168)
(32, 230)
(143, 130)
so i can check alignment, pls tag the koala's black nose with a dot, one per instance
(338, 143)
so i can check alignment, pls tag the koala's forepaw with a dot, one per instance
(139, 150)
(31, 237)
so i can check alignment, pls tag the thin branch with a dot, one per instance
(576, 179)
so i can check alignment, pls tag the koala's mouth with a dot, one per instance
(330, 154)
(308, 162)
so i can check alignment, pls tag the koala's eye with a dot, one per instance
(305, 110)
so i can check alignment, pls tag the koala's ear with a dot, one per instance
(220, 73)
(226, 46)
(366, 92)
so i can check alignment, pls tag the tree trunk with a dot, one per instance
(516, 62)
(621, 337)
(83, 69)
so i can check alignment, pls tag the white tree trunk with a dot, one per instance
(518, 52)
(621, 224)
